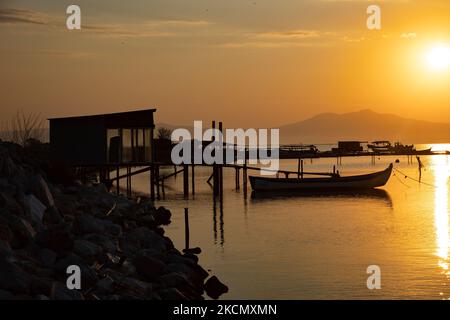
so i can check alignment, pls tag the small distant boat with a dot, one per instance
(399, 148)
(359, 182)
(424, 151)
(380, 146)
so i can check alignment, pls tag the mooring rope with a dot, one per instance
(400, 180)
(414, 179)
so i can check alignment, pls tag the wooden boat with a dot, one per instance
(380, 146)
(359, 182)
(399, 148)
(424, 151)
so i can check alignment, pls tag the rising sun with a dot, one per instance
(438, 57)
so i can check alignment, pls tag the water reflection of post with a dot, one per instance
(214, 220)
(221, 223)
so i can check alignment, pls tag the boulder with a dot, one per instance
(214, 288)
(6, 295)
(47, 257)
(52, 216)
(148, 267)
(8, 201)
(59, 291)
(6, 235)
(40, 188)
(86, 249)
(36, 210)
(145, 238)
(13, 278)
(58, 238)
(109, 245)
(172, 294)
(105, 285)
(135, 286)
(162, 216)
(22, 230)
(87, 223)
(174, 279)
(195, 250)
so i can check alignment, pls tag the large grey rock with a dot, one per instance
(6, 295)
(60, 291)
(58, 238)
(6, 236)
(13, 205)
(174, 279)
(135, 286)
(86, 248)
(23, 232)
(172, 294)
(86, 223)
(105, 285)
(40, 188)
(13, 278)
(47, 257)
(107, 244)
(36, 210)
(52, 216)
(145, 238)
(148, 267)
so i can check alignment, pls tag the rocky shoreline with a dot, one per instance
(118, 243)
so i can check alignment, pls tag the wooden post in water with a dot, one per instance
(301, 168)
(215, 170)
(236, 177)
(220, 173)
(193, 179)
(186, 228)
(186, 180)
(244, 171)
(128, 181)
(298, 168)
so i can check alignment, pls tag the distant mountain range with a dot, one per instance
(364, 125)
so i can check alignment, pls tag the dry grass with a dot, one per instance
(23, 127)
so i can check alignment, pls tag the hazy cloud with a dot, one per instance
(12, 16)
(282, 39)
(290, 34)
(149, 28)
(153, 28)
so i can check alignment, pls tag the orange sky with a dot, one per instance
(248, 63)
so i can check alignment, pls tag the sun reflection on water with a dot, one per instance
(441, 168)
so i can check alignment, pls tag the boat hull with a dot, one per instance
(367, 181)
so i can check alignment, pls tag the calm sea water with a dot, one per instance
(319, 247)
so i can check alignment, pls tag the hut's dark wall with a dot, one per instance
(82, 141)
(78, 143)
